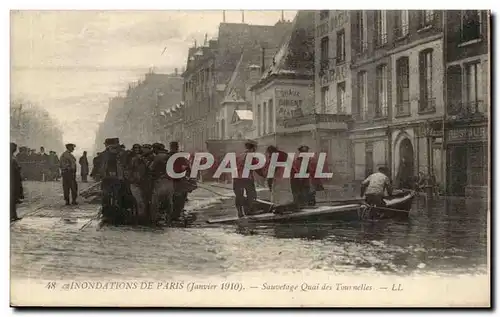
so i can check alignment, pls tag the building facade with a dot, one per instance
(468, 102)
(397, 93)
(208, 72)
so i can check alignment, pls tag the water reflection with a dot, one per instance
(440, 234)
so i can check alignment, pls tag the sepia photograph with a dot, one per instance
(250, 158)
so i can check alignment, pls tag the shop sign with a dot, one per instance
(464, 134)
(288, 101)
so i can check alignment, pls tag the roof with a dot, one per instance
(296, 54)
(242, 115)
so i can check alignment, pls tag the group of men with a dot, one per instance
(38, 166)
(136, 180)
(302, 190)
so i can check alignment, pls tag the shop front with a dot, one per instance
(468, 161)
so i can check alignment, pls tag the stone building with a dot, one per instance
(172, 124)
(135, 118)
(397, 92)
(208, 72)
(468, 102)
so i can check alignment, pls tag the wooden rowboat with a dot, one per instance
(397, 207)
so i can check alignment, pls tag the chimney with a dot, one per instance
(282, 15)
(176, 71)
(223, 16)
(242, 16)
(254, 74)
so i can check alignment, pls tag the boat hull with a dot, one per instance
(397, 207)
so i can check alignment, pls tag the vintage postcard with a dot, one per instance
(330, 158)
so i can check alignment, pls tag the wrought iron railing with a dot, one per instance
(403, 108)
(427, 105)
(466, 108)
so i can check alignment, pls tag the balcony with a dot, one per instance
(427, 106)
(403, 109)
(316, 118)
(362, 115)
(464, 110)
(402, 31)
(380, 112)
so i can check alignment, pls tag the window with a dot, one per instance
(382, 86)
(363, 37)
(341, 98)
(426, 18)
(340, 46)
(323, 14)
(368, 159)
(454, 89)
(471, 25)
(381, 27)
(324, 99)
(402, 23)
(472, 87)
(425, 63)
(403, 86)
(362, 95)
(270, 116)
(324, 53)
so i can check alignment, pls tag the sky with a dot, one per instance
(72, 62)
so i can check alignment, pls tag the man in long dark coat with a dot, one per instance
(16, 185)
(84, 166)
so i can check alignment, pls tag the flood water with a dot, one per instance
(443, 236)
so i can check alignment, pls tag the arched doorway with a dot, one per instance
(406, 169)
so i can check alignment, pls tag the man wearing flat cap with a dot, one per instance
(68, 171)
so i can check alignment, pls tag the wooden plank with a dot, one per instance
(307, 212)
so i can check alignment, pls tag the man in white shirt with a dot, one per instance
(374, 187)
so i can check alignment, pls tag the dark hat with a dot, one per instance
(303, 148)
(147, 146)
(272, 149)
(136, 146)
(112, 141)
(70, 145)
(158, 146)
(174, 144)
(250, 144)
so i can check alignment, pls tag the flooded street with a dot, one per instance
(443, 236)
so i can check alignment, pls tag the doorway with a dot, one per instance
(457, 170)
(406, 171)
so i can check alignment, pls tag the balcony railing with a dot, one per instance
(381, 111)
(403, 109)
(363, 47)
(402, 31)
(427, 105)
(466, 109)
(315, 119)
